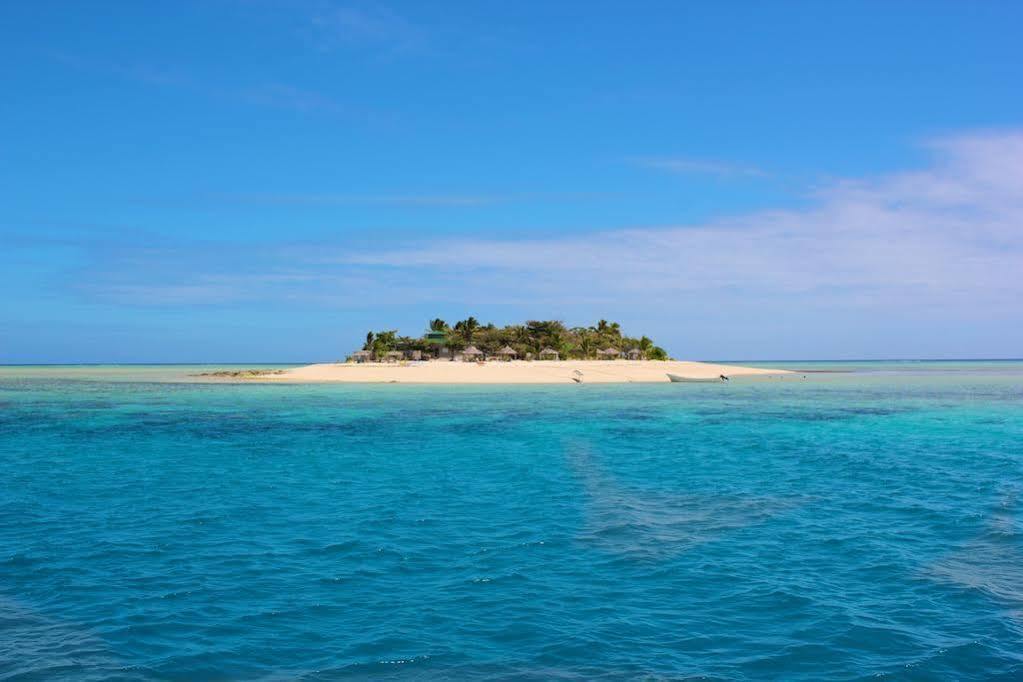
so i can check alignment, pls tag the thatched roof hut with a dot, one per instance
(634, 354)
(394, 356)
(549, 353)
(507, 352)
(609, 353)
(362, 356)
(472, 353)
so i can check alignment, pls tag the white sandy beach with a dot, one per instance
(515, 372)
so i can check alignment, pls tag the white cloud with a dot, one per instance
(950, 234)
(948, 237)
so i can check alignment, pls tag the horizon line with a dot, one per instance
(306, 362)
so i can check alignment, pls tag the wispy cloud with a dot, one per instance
(721, 169)
(328, 199)
(277, 95)
(948, 234)
(144, 73)
(410, 200)
(945, 238)
(334, 25)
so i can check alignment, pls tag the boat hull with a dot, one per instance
(677, 379)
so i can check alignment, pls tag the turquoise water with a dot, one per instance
(843, 526)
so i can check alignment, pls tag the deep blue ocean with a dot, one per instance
(842, 526)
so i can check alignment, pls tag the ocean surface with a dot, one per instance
(862, 522)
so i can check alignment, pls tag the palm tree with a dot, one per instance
(438, 325)
(369, 341)
(455, 342)
(607, 333)
(587, 344)
(584, 339)
(468, 327)
(536, 330)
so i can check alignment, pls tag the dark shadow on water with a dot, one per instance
(992, 562)
(35, 646)
(655, 525)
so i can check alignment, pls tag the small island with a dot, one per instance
(537, 352)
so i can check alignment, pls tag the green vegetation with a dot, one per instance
(576, 343)
(241, 373)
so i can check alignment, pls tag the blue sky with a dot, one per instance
(263, 181)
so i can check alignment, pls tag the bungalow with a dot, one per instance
(549, 353)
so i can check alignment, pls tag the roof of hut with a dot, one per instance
(548, 351)
(361, 354)
(395, 353)
(608, 351)
(507, 350)
(472, 350)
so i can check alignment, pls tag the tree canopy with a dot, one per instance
(576, 343)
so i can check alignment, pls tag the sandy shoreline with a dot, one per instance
(516, 372)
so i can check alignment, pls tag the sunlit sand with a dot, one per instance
(514, 372)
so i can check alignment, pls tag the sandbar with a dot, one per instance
(514, 372)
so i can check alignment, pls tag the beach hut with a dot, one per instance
(471, 354)
(634, 354)
(508, 353)
(437, 341)
(549, 353)
(362, 356)
(608, 353)
(394, 356)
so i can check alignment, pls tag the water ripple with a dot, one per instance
(843, 529)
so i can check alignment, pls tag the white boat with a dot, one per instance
(678, 379)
